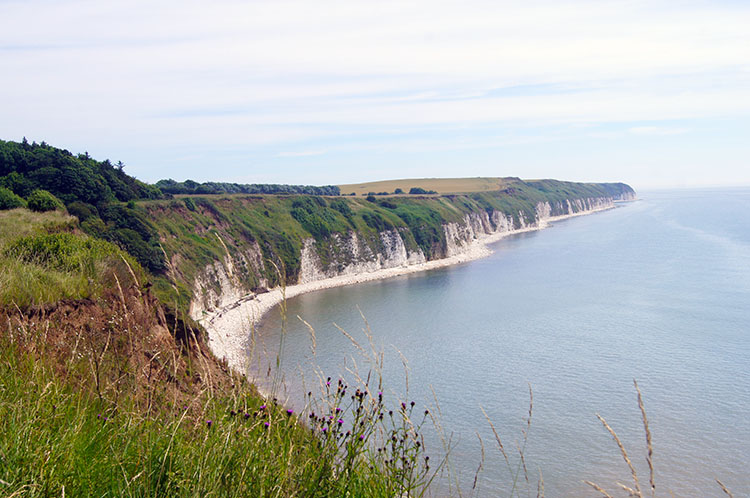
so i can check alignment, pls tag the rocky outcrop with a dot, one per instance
(351, 255)
(224, 282)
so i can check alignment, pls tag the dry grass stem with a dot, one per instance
(540, 486)
(497, 437)
(724, 488)
(650, 449)
(630, 491)
(310, 328)
(624, 455)
(481, 462)
(599, 489)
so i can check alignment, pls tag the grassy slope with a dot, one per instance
(113, 396)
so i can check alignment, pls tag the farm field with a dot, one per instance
(439, 185)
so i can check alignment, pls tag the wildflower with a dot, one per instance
(262, 407)
(209, 423)
(247, 415)
(267, 424)
(341, 421)
(289, 412)
(324, 429)
(362, 437)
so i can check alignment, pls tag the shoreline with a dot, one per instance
(229, 327)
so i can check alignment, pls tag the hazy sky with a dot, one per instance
(653, 93)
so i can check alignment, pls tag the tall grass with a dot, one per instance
(111, 403)
(43, 261)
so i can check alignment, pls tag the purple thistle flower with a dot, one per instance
(247, 415)
(209, 423)
(362, 437)
(324, 429)
(341, 421)
(267, 424)
(289, 412)
(262, 407)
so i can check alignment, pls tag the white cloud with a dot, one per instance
(657, 130)
(291, 71)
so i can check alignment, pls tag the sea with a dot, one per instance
(655, 291)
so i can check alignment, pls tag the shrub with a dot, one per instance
(9, 200)
(342, 207)
(420, 190)
(82, 211)
(41, 200)
(60, 251)
(189, 203)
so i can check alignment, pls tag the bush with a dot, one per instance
(82, 211)
(342, 207)
(9, 200)
(189, 203)
(420, 190)
(41, 200)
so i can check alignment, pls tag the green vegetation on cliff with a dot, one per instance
(255, 231)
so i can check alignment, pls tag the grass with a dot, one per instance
(110, 397)
(439, 185)
(43, 259)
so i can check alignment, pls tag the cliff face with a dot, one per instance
(351, 252)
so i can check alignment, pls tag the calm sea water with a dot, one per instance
(656, 290)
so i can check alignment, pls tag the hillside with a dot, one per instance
(109, 386)
(104, 391)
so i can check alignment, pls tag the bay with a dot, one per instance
(656, 290)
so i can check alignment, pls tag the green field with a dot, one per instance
(439, 185)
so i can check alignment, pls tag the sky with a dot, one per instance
(652, 93)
